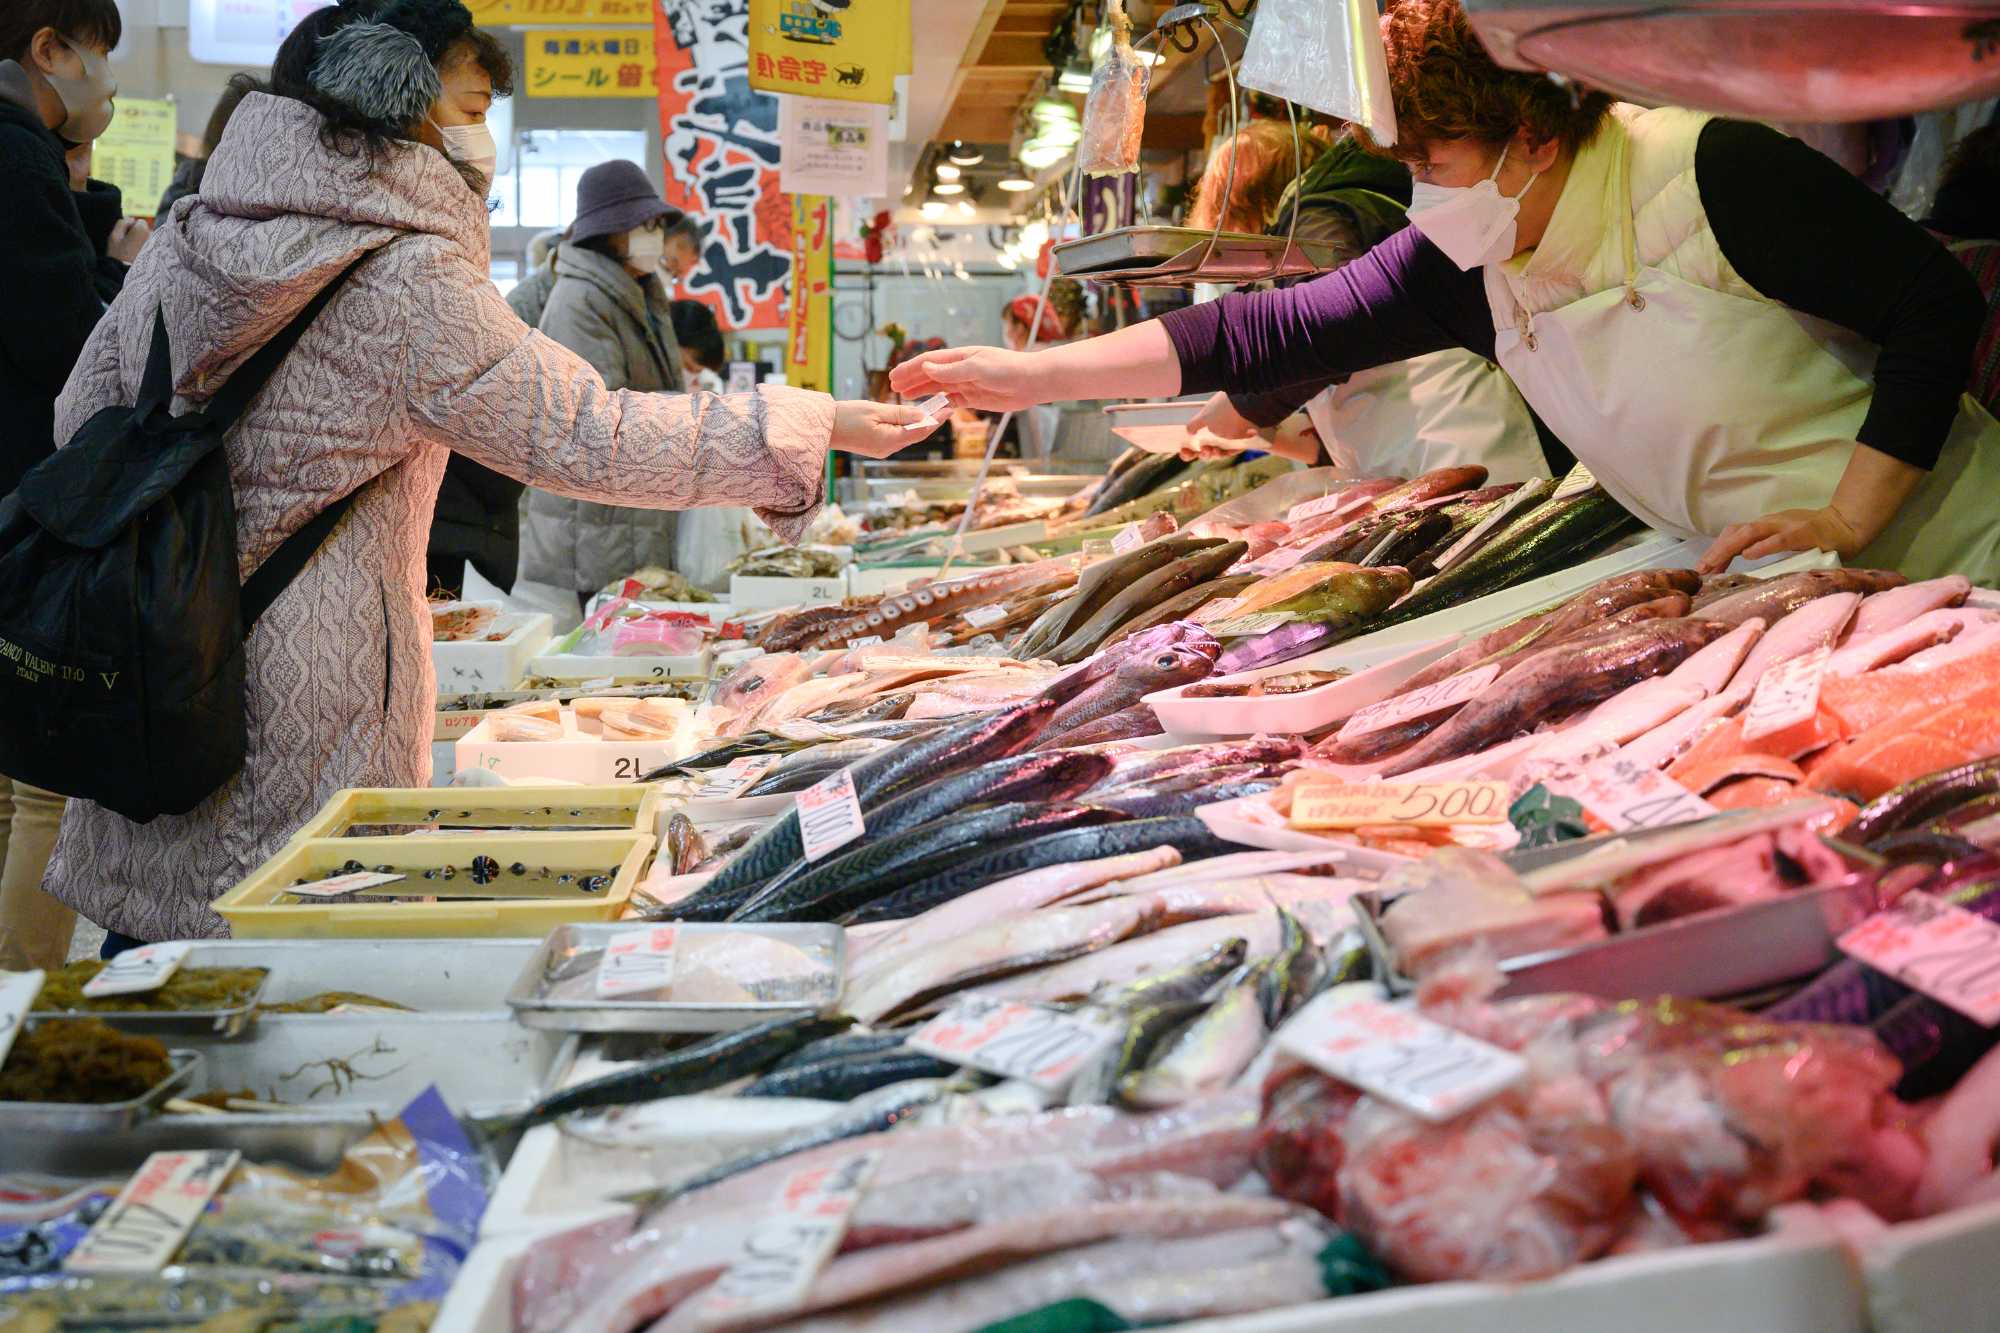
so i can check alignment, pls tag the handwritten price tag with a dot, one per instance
(1946, 952)
(1326, 504)
(1579, 480)
(829, 815)
(637, 961)
(1420, 804)
(1450, 692)
(142, 969)
(153, 1214)
(1263, 622)
(1282, 559)
(785, 1250)
(1047, 1047)
(734, 776)
(1787, 695)
(17, 995)
(865, 641)
(1626, 795)
(1400, 1056)
(336, 886)
(1129, 537)
(979, 617)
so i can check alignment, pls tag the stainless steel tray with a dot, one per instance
(178, 1022)
(26, 1124)
(1731, 952)
(537, 1003)
(1173, 257)
(428, 975)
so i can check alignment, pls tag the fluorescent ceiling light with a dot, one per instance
(1016, 184)
(948, 187)
(966, 210)
(947, 172)
(1073, 81)
(932, 209)
(964, 154)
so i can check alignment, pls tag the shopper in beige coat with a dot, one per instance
(416, 357)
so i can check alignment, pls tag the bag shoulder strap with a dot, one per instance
(233, 398)
(270, 579)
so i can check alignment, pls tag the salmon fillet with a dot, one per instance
(1908, 745)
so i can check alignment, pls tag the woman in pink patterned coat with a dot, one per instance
(416, 357)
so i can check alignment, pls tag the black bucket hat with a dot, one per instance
(616, 197)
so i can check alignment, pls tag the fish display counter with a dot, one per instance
(1333, 902)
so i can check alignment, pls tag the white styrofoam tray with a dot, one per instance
(868, 580)
(748, 592)
(1937, 1275)
(467, 668)
(578, 757)
(576, 666)
(1378, 673)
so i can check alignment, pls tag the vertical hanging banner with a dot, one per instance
(836, 148)
(809, 338)
(589, 62)
(851, 52)
(137, 153)
(720, 139)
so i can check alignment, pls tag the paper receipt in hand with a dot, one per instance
(935, 409)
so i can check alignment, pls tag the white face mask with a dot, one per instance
(86, 100)
(645, 248)
(470, 146)
(1475, 224)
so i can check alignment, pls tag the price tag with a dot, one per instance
(1628, 795)
(1433, 698)
(17, 995)
(1400, 1056)
(1282, 559)
(142, 969)
(1577, 482)
(1421, 804)
(637, 960)
(1220, 609)
(1047, 1047)
(337, 885)
(1929, 945)
(735, 776)
(829, 815)
(153, 1214)
(1129, 537)
(1786, 695)
(1326, 504)
(1263, 622)
(865, 641)
(784, 1252)
(979, 617)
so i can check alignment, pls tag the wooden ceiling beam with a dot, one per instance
(1011, 51)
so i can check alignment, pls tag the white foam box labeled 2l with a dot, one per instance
(467, 668)
(580, 756)
(750, 592)
(1936, 1274)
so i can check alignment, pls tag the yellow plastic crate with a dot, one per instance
(255, 909)
(609, 809)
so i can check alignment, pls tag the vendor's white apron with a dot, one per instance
(1697, 409)
(1442, 410)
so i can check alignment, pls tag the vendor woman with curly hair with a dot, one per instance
(1739, 339)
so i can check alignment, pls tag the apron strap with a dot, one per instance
(1631, 228)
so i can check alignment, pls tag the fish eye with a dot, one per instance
(1165, 661)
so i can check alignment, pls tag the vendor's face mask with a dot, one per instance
(86, 100)
(1475, 224)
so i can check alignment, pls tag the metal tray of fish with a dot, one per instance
(224, 1022)
(465, 976)
(1726, 953)
(1174, 256)
(24, 1125)
(725, 976)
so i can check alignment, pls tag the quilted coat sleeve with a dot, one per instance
(579, 318)
(482, 383)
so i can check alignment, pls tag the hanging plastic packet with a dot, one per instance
(1324, 54)
(1114, 116)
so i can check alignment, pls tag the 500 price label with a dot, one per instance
(1419, 804)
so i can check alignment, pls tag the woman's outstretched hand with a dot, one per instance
(874, 430)
(987, 378)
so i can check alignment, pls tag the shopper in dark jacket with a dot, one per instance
(63, 243)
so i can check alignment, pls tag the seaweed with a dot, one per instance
(189, 989)
(81, 1060)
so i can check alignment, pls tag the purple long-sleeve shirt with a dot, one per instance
(1799, 230)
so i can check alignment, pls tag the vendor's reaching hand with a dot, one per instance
(1202, 446)
(875, 430)
(986, 378)
(1219, 417)
(1787, 530)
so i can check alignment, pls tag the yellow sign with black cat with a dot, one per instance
(851, 50)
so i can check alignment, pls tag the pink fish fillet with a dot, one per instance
(1817, 624)
(1970, 643)
(865, 1274)
(1004, 898)
(1869, 652)
(1228, 1272)
(1668, 741)
(1898, 606)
